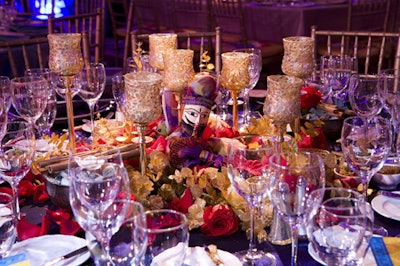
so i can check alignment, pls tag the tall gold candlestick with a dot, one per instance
(142, 104)
(65, 59)
(235, 77)
(178, 72)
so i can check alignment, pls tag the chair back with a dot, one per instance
(374, 50)
(197, 41)
(229, 15)
(33, 53)
(89, 23)
(88, 6)
(146, 16)
(371, 15)
(198, 10)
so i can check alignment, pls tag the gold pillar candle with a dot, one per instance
(178, 69)
(298, 58)
(65, 56)
(142, 97)
(159, 43)
(282, 103)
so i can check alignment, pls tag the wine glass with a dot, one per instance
(17, 152)
(98, 178)
(235, 77)
(293, 176)
(365, 145)
(118, 87)
(390, 93)
(222, 102)
(247, 162)
(46, 120)
(29, 96)
(168, 238)
(336, 71)
(339, 226)
(364, 95)
(142, 105)
(139, 62)
(91, 82)
(5, 92)
(128, 242)
(255, 66)
(7, 227)
(44, 123)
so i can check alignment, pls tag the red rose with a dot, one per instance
(310, 97)
(182, 204)
(318, 142)
(219, 220)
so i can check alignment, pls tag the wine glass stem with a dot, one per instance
(246, 107)
(16, 210)
(91, 109)
(142, 146)
(295, 238)
(251, 241)
(234, 96)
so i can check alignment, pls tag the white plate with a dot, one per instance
(387, 206)
(196, 256)
(42, 249)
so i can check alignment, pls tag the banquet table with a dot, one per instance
(236, 242)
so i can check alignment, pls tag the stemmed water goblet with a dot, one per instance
(255, 66)
(128, 242)
(168, 238)
(365, 96)
(17, 152)
(98, 178)
(29, 96)
(91, 82)
(247, 162)
(340, 228)
(8, 228)
(141, 105)
(366, 145)
(293, 176)
(235, 77)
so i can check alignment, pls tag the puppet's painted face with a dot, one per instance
(195, 119)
